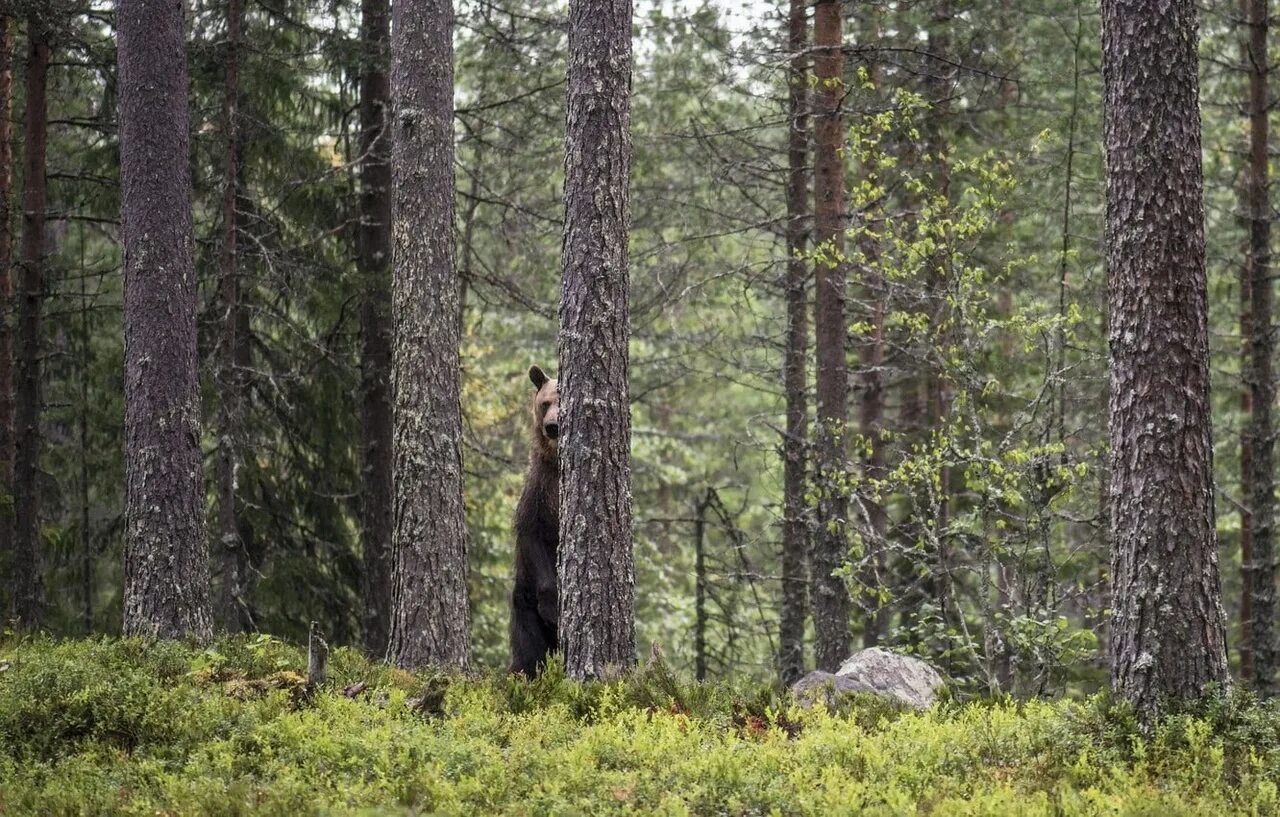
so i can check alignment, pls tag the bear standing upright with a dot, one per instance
(535, 600)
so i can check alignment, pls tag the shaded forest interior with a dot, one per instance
(867, 358)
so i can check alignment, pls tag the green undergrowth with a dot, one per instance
(127, 727)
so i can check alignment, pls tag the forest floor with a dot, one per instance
(122, 727)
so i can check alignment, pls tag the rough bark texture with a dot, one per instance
(1167, 636)
(795, 535)
(6, 302)
(374, 259)
(830, 597)
(232, 607)
(430, 619)
(597, 573)
(1257, 468)
(166, 589)
(28, 590)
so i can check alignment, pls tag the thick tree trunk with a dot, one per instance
(597, 573)
(830, 597)
(1167, 637)
(1259, 437)
(795, 534)
(6, 303)
(166, 589)
(233, 561)
(430, 620)
(28, 590)
(374, 259)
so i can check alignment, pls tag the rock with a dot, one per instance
(890, 675)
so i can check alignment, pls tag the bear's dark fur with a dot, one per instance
(535, 612)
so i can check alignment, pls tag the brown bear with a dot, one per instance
(535, 612)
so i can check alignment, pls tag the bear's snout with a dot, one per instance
(552, 429)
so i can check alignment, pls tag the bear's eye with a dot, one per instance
(546, 404)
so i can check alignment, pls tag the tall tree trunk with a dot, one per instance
(166, 571)
(596, 567)
(374, 259)
(6, 303)
(938, 402)
(795, 534)
(87, 551)
(1167, 637)
(830, 597)
(233, 562)
(28, 590)
(871, 411)
(430, 619)
(1260, 439)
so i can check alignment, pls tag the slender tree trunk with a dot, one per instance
(87, 554)
(430, 620)
(795, 534)
(374, 258)
(871, 411)
(6, 304)
(700, 594)
(938, 401)
(166, 571)
(1167, 637)
(830, 596)
(28, 590)
(233, 562)
(1256, 320)
(597, 573)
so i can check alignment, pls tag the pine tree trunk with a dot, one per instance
(597, 573)
(166, 581)
(430, 619)
(374, 258)
(1260, 440)
(6, 304)
(871, 410)
(795, 535)
(1167, 636)
(28, 590)
(233, 562)
(830, 596)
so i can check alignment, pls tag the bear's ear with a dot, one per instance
(538, 376)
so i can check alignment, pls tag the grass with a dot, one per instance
(127, 727)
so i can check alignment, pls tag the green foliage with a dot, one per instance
(127, 727)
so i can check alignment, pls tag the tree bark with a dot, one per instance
(597, 572)
(938, 387)
(166, 588)
(28, 589)
(871, 410)
(1167, 633)
(795, 535)
(430, 619)
(1259, 443)
(6, 303)
(374, 257)
(830, 596)
(233, 562)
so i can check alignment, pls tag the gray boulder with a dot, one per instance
(890, 675)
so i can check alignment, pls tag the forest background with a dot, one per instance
(974, 160)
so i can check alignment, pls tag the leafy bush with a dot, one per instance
(126, 727)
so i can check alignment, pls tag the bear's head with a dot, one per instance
(546, 412)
